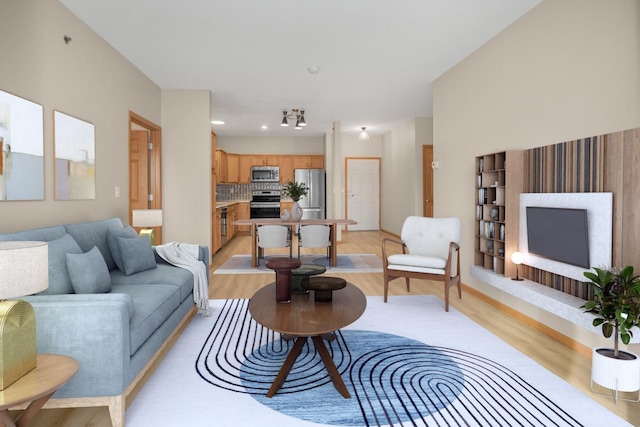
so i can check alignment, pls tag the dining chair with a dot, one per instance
(314, 236)
(273, 236)
(429, 250)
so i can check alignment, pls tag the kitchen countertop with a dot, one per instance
(229, 203)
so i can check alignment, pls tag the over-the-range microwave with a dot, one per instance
(265, 174)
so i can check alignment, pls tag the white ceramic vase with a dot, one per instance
(296, 212)
(615, 374)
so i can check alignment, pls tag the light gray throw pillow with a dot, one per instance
(112, 241)
(59, 280)
(137, 254)
(89, 272)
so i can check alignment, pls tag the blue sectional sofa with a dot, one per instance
(112, 304)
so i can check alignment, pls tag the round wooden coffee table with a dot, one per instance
(36, 387)
(304, 318)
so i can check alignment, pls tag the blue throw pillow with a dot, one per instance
(89, 272)
(112, 241)
(137, 254)
(59, 280)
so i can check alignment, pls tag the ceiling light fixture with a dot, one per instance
(217, 122)
(363, 135)
(296, 114)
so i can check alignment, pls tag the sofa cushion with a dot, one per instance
(89, 273)
(164, 274)
(152, 305)
(45, 234)
(94, 233)
(137, 254)
(59, 280)
(112, 241)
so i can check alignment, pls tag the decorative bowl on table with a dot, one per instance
(324, 287)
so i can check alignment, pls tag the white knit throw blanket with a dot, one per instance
(185, 255)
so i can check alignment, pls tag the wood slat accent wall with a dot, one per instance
(569, 167)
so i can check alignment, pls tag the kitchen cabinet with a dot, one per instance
(233, 168)
(272, 160)
(216, 241)
(221, 166)
(232, 215)
(244, 171)
(286, 169)
(308, 162)
(243, 212)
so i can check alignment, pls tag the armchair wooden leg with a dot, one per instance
(386, 287)
(408, 287)
(446, 296)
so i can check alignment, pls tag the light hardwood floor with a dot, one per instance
(523, 335)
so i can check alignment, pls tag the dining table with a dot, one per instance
(254, 223)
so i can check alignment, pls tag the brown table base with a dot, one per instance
(326, 359)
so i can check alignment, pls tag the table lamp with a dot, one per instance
(517, 258)
(24, 270)
(147, 218)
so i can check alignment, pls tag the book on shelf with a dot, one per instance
(478, 212)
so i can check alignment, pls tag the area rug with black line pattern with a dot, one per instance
(407, 362)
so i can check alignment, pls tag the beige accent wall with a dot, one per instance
(87, 79)
(566, 70)
(186, 166)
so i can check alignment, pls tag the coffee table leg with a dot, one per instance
(287, 365)
(330, 366)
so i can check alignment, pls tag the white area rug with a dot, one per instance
(198, 382)
(347, 263)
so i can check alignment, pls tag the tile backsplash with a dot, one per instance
(229, 192)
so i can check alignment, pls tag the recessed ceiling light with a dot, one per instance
(264, 127)
(313, 69)
(217, 122)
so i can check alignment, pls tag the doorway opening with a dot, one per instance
(145, 167)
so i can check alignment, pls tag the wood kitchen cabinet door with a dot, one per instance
(286, 169)
(272, 160)
(244, 172)
(243, 212)
(233, 168)
(316, 162)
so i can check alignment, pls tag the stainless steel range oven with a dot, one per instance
(265, 204)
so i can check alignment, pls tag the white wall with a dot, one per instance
(186, 166)
(271, 144)
(568, 69)
(401, 192)
(87, 79)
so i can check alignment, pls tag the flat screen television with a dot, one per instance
(560, 234)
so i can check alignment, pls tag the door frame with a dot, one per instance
(155, 159)
(427, 179)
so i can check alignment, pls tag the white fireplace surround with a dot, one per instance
(599, 208)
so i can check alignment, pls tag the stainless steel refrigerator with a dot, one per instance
(314, 203)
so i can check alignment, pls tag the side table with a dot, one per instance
(36, 387)
(300, 276)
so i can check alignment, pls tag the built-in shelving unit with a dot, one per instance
(498, 182)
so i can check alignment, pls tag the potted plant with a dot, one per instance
(616, 305)
(295, 190)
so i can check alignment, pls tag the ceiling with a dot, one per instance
(377, 59)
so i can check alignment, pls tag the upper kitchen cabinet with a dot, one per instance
(221, 166)
(233, 168)
(244, 173)
(308, 162)
(264, 160)
(286, 169)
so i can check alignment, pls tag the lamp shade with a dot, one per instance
(517, 258)
(24, 268)
(147, 218)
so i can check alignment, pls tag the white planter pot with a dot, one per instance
(615, 374)
(296, 212)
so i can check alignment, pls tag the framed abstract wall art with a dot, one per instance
(21, 149)
(75, 158)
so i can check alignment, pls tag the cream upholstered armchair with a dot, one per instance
(273, 236)
(314, 236)
(430, 251)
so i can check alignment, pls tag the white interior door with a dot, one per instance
(363, 193)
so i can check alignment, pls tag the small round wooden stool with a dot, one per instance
(283, 267)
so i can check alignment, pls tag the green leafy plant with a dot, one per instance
(295, 190)
(616, 303)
